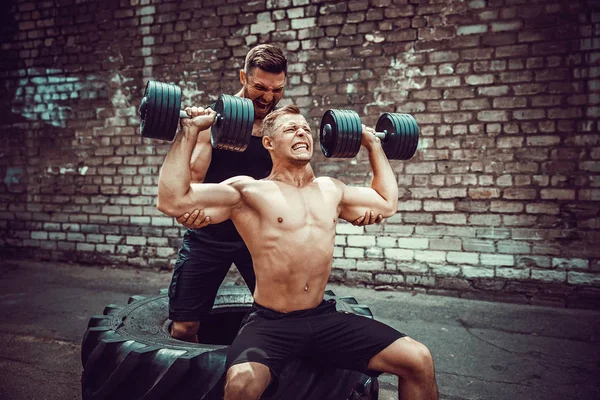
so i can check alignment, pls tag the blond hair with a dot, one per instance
(269, 121)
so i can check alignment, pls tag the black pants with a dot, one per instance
(199, 270)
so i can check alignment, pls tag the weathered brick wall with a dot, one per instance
(500, 202)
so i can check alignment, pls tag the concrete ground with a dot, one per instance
(482, 350)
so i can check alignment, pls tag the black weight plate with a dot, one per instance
(244, 135)
(157, 113)
(406, 136)
(344, 137)
(165, 114)
(235, 123)
(349, 137)
(327, 141)
(390, 143)
(409, 137)
(150, 109)
(145, 109)
(176, 104)
(415, 142)
(220, 125)
(247, 122)
(169, 115)
(345, 133)
(357, 132)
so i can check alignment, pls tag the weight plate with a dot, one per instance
(247, 122)
(235, 125)
(157, 112)
(219, 125)
(176, 104)
(386, 125)
(346, 137)
(407, 137)
(327, 139)
(357, 132)
(340, 146)
(145, 108)
(166, 111)
(403, 135)
(168, 116)
(415, 142)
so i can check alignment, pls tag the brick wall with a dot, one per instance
(500, 202)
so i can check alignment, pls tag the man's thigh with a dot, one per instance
(269, 342)
(196, 279)
(349, 341)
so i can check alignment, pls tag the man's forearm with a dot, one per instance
(175, 176)
(384, 179)
(201, 157)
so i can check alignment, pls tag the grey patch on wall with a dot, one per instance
(14, 176)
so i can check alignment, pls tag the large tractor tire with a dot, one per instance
(128, 354)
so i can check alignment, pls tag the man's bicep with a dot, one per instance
(357, 200)
(216, 199)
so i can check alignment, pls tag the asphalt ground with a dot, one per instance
(482, 350)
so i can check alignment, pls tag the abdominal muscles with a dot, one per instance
(292, 266)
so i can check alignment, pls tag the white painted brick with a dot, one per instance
(165, 252)
(399, 254)
(86, 247)
(570, 263)
(549, 275)
(344, 263)
(123, 249)
(477, 272)
(105, 248)
(374, 252)
(512, 273)
(340, 240)
(497, 260)
(354, 252)
(413, 267)
(338, 251)
(93, 238)
(410, 205)
(430, 256)
(463, 257)
(361, 241)
(163, 221)
(344, 228)
(389, 278)
(370, 265)
(136, 240)
(39, 235)
(419, 280)
(583, 278)
(413, 243)
(446, 270)
(386, 241)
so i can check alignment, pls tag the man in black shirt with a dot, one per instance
(206, 254)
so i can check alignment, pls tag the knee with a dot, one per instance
(185, 331)
(243, 383)
(421, 361)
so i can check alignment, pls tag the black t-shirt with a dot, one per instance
(255, 162)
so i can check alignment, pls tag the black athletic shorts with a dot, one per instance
(339, 339)
(199, 270)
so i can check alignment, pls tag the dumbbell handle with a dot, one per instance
(183, 114)
(327, 133)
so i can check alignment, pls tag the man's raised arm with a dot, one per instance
(176, 192)
(382, 196)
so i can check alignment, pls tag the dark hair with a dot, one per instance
(270, 119)
(267, 57)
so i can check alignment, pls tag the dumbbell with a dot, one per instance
(160, 111)
(341, 134)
